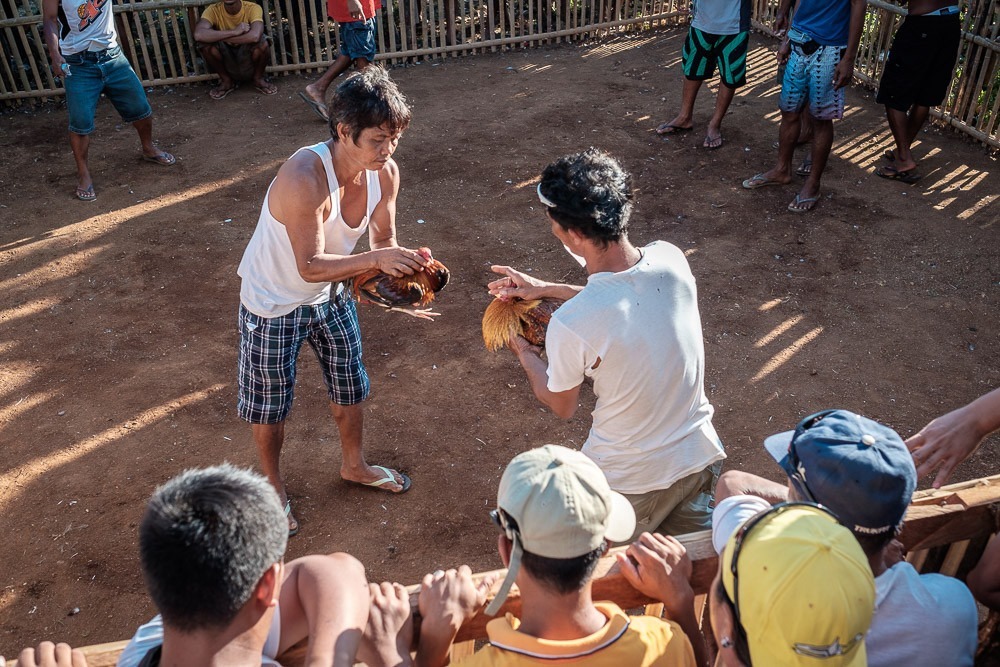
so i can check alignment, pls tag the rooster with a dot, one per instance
(416, 290)
(505, 319)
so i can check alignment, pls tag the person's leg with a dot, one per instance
(317, 89)
(713, 136)
(324, 599)
(269, 439)
(820, 153)
(83, 90)
(80, 143)
(336, 338)
(731, 59)
(682, 121)
(899, 125)
(696, 66)
(780, 173)
(260, 54)
(268, 351)
(694, 511)
(123, 88)
(216, 63)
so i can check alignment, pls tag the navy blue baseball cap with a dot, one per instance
(858, 468)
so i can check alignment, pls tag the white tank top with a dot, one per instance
(91, 27)
(271, 284)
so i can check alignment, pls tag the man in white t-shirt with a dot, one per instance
(86, 54)
(718, 37)
(635, 330)
(863, 472)
(293, 271)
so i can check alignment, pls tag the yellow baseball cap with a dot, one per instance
(806, 593)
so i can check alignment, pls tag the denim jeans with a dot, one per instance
(108, 72)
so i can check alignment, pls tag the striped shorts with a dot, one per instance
(269, 347)
(703, 52)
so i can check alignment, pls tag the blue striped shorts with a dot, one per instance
(269, 347)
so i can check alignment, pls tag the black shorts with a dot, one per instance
(921, 63)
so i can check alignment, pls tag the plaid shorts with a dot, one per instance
(269, 347)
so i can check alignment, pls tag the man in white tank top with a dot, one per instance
(320, 203)
(635, 330)
(86, 54)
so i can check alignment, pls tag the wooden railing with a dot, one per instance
(945, 531)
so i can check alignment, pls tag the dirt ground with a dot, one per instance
(118, 317)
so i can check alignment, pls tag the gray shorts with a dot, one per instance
(684, 507)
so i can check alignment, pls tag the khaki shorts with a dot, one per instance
(684, 507)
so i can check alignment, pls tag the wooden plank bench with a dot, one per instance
(946, 531)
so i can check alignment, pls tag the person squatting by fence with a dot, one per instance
(231, 39)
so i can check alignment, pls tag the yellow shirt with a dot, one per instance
(632, 641)
(222, 20)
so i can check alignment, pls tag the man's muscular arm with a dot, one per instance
(562, 403)
(300, 200)
(251, 36)
(50, 29)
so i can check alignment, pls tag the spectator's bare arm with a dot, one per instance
(390, 627)
(447, 599)
(739, 483)
(658, 566)
(984, 579)
(952, 438)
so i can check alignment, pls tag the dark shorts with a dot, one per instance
(108, 72)
(921, 62)
(269, 347)
(703, 52)
(357, 39)
(237, 58)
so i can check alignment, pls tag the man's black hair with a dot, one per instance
(591, 193)
(206, 539)
(560, 575)
(366, 99)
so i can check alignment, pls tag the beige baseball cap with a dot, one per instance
(562, 506)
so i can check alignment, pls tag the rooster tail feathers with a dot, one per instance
(503, 320)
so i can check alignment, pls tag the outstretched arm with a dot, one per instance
(517, 285)
(952, 438)
(844, 72)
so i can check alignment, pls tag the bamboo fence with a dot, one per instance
(157, 37)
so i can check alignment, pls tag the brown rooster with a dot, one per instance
(516, 317)
(416, 290)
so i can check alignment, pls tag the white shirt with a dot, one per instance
(272, 285)
(150, 635)
(921, 620)
(91, 26)
(652, 424)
